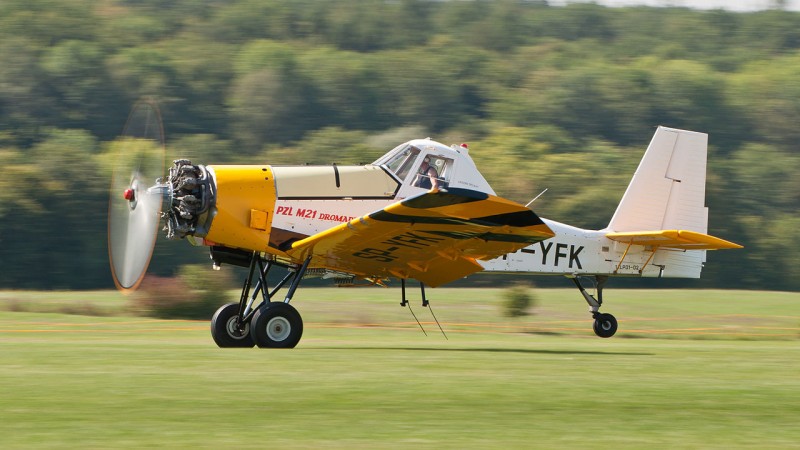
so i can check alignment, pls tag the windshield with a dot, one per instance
(400, 164)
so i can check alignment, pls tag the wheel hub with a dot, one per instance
(235, 330)
(278, 329)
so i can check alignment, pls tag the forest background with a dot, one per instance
(564, 98)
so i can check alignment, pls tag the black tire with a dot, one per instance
(224, 330)
(276, 325)
(605, 325)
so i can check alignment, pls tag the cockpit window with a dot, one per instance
(401, 163)
(433, 172)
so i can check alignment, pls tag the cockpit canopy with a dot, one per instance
(425, 164)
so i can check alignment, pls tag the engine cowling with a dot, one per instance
(229, 205)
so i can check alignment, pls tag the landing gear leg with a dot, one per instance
(605, 325)
(278, 324)
(270, 324)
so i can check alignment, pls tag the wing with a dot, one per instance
(677, 239)
(435, 237)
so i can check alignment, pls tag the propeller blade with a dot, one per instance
(135, 199)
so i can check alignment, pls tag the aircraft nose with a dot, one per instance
(243, 206)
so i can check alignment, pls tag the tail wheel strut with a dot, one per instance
(605, 325)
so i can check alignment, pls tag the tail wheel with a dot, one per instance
(605, 325)
(226, 329)
(276, 325)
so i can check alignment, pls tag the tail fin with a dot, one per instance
(668, 190)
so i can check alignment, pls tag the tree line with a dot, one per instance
(564, 98)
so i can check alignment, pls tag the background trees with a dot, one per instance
(564, 98)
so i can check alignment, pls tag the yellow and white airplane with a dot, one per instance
(423, 211)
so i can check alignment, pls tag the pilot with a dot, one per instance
(427, 177)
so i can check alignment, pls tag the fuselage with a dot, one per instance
(264, 208)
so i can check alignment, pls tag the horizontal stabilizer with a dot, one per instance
(675, 239)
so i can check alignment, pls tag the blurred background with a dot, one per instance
(563, 96)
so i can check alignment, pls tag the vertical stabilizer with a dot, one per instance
(667, 191)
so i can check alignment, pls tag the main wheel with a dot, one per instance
(276, 325)
(225, 328)
(605, 325)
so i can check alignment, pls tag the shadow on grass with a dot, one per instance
(492, 350)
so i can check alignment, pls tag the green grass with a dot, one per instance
(364, 376)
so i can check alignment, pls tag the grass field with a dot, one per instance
(688, 369)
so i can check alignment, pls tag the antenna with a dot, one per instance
(437, 321)
(415, 318)
(405, 302)
(534, 198)
(427, 303)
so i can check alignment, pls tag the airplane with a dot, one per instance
(420, 212)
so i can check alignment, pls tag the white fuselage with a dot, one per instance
(575, 251)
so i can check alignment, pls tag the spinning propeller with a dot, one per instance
(137, 192)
